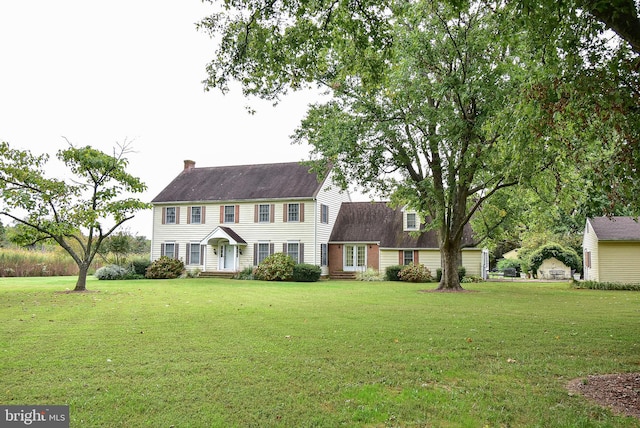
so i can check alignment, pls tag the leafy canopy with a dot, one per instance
(77, 214)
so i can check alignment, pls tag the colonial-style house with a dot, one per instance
(611, 248)
(375, 235)
(225, 219)
(232, 217)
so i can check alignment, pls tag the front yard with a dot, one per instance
(211, 352)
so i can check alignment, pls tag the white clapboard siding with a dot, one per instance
(310, 231)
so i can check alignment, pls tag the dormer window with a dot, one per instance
(411, 221)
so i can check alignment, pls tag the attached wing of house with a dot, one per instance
(232, 217)
(375, 235)
(611, 247)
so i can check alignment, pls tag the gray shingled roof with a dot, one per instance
(377, 222)
(616, 228)
(243, 182)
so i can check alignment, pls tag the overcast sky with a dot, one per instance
(99, 73)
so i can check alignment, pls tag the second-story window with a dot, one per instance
(293, 212)
(170, 215)
(264, 211)
(324, 214)
(196, 215)
(229, 213)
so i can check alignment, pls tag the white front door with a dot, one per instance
(355, 258)
(227, 257)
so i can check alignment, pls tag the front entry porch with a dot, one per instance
(224, 249)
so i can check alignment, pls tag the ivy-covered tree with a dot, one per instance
(77, 214)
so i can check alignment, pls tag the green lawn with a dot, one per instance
(220, 353)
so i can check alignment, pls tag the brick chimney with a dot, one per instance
(189, 164)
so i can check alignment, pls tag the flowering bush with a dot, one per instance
(415, 273)
(165, 268)
(276, 267)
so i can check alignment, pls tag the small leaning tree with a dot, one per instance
(77, 214)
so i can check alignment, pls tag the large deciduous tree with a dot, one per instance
(416, 91)
(77, 214)
(419, 91)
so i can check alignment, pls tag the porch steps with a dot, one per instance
(342, 275)
(214, 274)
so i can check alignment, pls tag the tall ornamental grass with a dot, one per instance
(21, 262)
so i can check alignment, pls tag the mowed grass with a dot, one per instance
(222, 353)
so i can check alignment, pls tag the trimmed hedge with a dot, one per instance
(391, 273)
(303, 272)
(612, 286)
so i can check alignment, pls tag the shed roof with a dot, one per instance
(378, 222)
(616, 228)
(242, 182)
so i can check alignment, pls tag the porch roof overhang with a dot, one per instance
(222, 232)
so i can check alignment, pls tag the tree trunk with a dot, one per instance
(451, 259)
(81, 284)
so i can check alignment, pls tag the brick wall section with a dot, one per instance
(373, 256)
(335, 258)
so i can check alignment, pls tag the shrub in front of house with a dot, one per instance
(370, 275)
(139, 265)
(303, 272)
(165, 268)
(415, 273)
(246, 274)
(111, 272)
(391, 273)
(276, 267)
(610, 286)
(462, 272)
